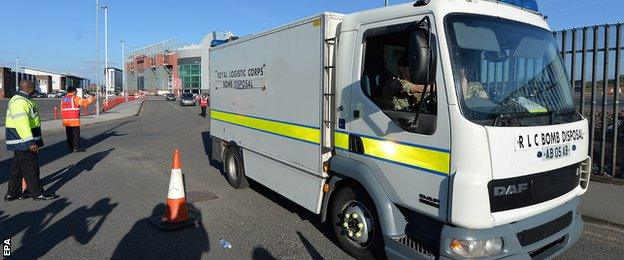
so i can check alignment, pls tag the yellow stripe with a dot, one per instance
(341, 140)
(308, 134)
(428, 159)
(433, 160)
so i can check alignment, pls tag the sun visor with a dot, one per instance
(476, 38)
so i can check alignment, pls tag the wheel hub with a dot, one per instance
(356, 223)
(232, 167)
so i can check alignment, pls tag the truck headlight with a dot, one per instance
(477, 248)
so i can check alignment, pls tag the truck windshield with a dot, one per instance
(508, 73)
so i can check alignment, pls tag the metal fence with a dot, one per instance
(593, 57)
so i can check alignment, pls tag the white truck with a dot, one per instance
(438, 129)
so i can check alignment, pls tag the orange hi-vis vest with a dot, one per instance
(203, 102)
(70, 109)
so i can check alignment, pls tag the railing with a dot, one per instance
(106, 105)
(593, 57)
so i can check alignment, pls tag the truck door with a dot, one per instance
(410, 158)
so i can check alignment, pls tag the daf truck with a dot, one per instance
(433, 129)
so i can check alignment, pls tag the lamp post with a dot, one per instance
(97, 59)
(123, 72)
(16, 73)
(106, 49)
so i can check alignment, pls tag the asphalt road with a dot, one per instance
(109, 192)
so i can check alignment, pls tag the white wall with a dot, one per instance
(56, 78)
(205, 64)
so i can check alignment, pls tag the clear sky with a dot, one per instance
(60, 35)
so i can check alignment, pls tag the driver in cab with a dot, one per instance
(471, 88)
(398, 90)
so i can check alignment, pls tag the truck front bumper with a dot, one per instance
(541, 236)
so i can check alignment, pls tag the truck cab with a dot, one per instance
(456, 118)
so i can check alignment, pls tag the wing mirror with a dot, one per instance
(422, 57)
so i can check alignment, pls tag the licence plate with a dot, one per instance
(555, 152)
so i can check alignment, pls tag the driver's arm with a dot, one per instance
(411, 88)
(415, 88)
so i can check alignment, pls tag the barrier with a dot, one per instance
(593, 58)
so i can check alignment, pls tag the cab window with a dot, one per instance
(386, 80)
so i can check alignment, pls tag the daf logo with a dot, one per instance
(510, 189)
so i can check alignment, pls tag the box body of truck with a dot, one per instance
(267, 94)
(306, 109)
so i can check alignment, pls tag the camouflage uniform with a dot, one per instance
(475, 89)
(397, 94)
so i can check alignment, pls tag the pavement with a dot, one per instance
(109, 192)
(604, 204)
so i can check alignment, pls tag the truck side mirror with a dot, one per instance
(422, 57)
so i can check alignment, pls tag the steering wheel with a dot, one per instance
(429, 104)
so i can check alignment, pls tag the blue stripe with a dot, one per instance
(265, 131)
(11, 134)
(398, 142)
(278, 121)
(402, 164)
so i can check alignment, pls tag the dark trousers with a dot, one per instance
(25, 165)
(203, 111)
(73, 137)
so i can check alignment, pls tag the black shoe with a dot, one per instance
(46, 197)
(10, 197)
(25, 195)
(79, 150)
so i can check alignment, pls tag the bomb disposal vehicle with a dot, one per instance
(435, 129)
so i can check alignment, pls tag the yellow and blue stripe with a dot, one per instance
(308, 134)
(427, 159)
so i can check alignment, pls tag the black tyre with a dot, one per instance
(356, 225)
(234, 169)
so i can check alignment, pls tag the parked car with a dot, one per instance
(187, 99)
(38, 94)
(171, 97)
(52, 95)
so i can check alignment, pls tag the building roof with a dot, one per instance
(51, 72)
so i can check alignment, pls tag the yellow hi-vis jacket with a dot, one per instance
(23, 125)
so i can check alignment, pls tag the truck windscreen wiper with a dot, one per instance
(570, 112)
(512, 116)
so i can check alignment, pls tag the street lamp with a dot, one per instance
(97, 59)
(106, 49)
(16, 73)
(123, 72)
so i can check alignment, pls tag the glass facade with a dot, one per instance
(190, 74)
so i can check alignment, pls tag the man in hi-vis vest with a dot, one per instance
(70, 111)
(203, 104)
(23, 137)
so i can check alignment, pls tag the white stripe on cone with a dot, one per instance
(176, 185)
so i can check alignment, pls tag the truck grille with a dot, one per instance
(506, 194)
(540, 232)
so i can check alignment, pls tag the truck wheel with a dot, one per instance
(355, 224)
(234, 168)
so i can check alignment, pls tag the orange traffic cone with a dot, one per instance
(176, 213)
